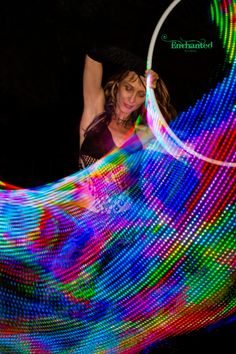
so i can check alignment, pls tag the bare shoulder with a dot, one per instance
(144, 133)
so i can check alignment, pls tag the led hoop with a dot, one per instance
(152, 100)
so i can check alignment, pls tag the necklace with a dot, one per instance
(123, 122)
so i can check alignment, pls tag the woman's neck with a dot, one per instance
(123, 120)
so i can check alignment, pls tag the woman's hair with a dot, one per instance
(110, 91)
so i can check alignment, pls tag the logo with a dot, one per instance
(190, 45)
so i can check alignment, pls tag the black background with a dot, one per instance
(43, 44)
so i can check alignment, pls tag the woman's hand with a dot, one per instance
(151, 78)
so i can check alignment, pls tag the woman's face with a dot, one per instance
(131, 94)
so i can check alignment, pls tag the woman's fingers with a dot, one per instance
(152, 78)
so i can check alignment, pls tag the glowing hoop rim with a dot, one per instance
(150, 92)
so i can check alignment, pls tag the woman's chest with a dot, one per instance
(120, 136)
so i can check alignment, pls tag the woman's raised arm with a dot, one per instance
(93, 93)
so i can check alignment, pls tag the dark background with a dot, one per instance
(43, 44)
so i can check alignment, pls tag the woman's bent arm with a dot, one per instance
(93, 93)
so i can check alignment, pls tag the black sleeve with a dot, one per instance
(121, 58)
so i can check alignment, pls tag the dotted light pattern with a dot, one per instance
(139, 247)
(220, 10)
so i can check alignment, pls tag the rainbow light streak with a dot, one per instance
(224, 15)
(137, 248)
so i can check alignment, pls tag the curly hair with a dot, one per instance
(110, 91)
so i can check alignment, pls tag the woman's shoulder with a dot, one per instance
(144, 133)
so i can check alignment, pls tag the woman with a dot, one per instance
(110, 114)
(109, 121)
